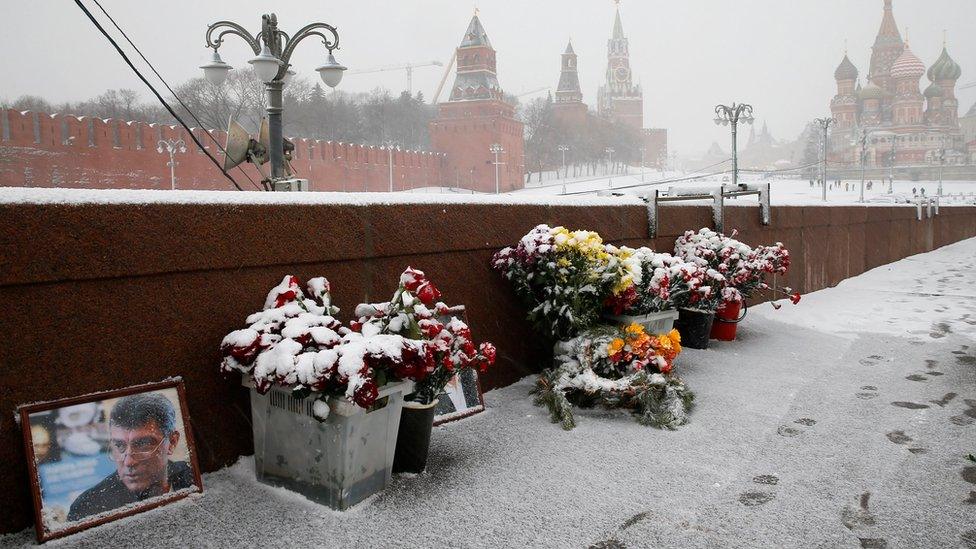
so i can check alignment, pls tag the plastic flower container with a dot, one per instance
(654, 323)
(338, 462)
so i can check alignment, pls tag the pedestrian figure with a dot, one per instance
(870, 184)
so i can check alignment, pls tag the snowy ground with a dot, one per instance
(782, 191)
(841, 422)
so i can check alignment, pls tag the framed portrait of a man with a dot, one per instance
(462, 395)
(104, 456)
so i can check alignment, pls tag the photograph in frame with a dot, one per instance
(100, 457)
(461, 398)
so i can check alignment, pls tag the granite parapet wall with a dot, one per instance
(102, 296)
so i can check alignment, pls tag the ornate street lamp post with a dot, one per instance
(273, 49)
(642, 151)
(942, 154)
(724, 116)
(563, 149)
(610, 151)
(496, 149)
(824, 124)
(389, 146)
(891, 168)
(172, 146)
(863, 142)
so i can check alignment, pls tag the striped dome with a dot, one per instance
(908, 65)
(945, 68)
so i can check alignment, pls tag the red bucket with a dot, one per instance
(726, 319)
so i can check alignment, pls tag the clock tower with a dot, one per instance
(619, 99)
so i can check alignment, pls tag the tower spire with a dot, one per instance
(618, 26)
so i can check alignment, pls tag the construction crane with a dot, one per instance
(409, 67)
(537, 90)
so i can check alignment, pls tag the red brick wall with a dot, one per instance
(465, 130)
(97, 297)
(103, 154)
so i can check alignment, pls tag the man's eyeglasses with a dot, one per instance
(139, 450)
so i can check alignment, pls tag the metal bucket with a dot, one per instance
(338, 462)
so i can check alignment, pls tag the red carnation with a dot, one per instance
(428, 293)
(795, 297)
(412, 278)
(488, 351)
(431, 328)
(366, 395)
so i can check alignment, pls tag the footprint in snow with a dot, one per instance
(898, 437)
(910, 405)
(942, 402)
(787, 431)
(752, 499)
(769, 480)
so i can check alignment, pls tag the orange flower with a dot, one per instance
(615, 346)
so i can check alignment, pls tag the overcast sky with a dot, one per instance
(778, 55)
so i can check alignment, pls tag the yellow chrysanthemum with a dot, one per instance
(634, 329)
(675, 337)
(615, 346)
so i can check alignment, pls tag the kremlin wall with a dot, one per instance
(54, 150)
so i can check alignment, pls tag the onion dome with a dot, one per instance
(846, 70)
(944, 68)
(908, 65)
(871, 91)
(934, 90)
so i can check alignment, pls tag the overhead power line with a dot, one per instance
(177, 97)
(155, 92)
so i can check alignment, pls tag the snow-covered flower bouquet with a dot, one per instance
(744, 268)
(617, 367)
(415, 313)
(295, 342)
(565, 277)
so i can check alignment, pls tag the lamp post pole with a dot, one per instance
(891, 167)
(171, 146)
(389, 148)
(942, 151)
(496, 149)
(610, 151)
(563, 149)
(642, 151)
(824, 124)
(273, 49)
(863, 141)
(726, 115)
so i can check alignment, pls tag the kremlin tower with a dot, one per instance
(475, 117)
(620, 100)
(569, 109)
